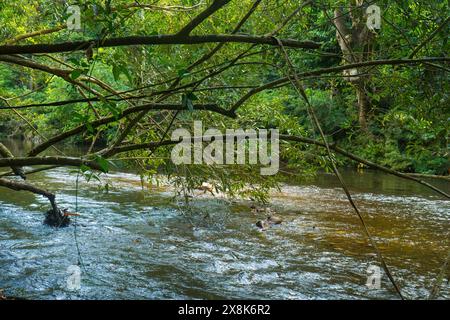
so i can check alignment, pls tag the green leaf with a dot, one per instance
(90, 128)
(127, 74)
(183, 73)
(116, 72)
(80, 118)
(186, 102)
(121, 69)
(84, 168)
(74, 61)
(192, 96)
(93, 175)
(190, 105)
(103, 163)
(111, 106)
(76, 73)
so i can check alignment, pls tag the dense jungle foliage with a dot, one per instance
(394, 115)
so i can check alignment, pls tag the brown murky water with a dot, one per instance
(139, 244)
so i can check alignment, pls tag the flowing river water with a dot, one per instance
(138, 243)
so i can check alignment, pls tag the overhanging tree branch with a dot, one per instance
(22, 186)
(202, 16)
(168, 39)
(59, 161)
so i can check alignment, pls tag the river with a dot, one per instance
(138, 243)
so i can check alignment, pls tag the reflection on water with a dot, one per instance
(138, 244)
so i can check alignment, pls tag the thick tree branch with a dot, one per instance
(62, 73)
(152, 40)
(22, 186)
(202, 16)
(34, 65)
(59, 161)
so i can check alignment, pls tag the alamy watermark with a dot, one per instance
(373, 17)
(74, 20)
(374, 277)
(229, 148)
(73, 281)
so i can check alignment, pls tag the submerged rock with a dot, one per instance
(263, 224)
(268, 222)
(255, 209)
(56, 219)
(274, 219)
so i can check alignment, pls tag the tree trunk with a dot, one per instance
(363, 105)
(355, 44)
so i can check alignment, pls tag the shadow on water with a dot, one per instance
(139, 244)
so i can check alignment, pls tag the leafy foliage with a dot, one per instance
(409, 106)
